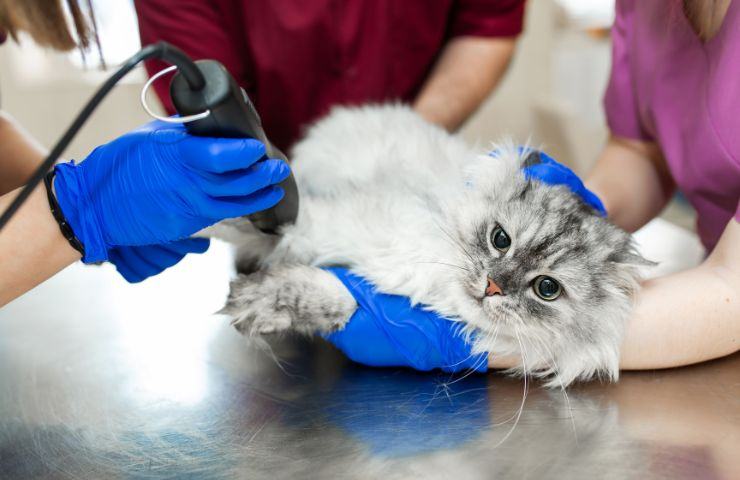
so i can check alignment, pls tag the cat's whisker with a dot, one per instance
(458, 363)
(263, 345)
(489, 339)
(462, 250)
(446, 389)
(525, 389)
(459, 249)
(548, 350)
(471, 370)
(455, 242)
(455, 239)
(496, 332)
(440, 387)
(447, 265)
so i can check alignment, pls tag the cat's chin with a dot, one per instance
(556, 367)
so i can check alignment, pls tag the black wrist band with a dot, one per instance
(66, 229)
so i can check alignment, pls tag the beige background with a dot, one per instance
(45, 90)
(550, 97)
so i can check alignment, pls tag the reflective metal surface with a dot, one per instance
(100, 379)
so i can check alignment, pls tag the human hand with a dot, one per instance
(386, 330)
(549, 171)
(137, 263)
(158, 184)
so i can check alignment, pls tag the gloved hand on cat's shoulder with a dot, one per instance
(547, 170)
(386, 330)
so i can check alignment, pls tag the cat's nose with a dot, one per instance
(492, 289)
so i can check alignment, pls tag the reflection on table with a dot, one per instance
(100, 379)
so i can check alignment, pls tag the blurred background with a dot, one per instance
(550, 96)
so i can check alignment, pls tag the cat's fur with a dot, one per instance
(412, 208)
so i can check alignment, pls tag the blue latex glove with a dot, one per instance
(136, 264)
(386, 331)
(158, 184)
(553, 173)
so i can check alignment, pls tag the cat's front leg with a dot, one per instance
(297, 297)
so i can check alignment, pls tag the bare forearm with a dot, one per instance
(20, 154)
(632, 180)
(688, 317)
(32, 247)
(466, 72)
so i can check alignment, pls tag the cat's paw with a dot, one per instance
(255, 305)
(300, 298)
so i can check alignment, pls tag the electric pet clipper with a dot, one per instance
(210, 103)
(232, 115)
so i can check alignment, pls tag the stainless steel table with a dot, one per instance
(101, 379)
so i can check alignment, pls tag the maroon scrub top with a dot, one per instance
(297, 58)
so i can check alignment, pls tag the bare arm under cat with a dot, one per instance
(679, 319)
(468, 69)
(690, 316)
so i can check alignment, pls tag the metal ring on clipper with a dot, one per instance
(185, 119)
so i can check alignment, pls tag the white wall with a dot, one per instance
(552, 92)
(46, 97)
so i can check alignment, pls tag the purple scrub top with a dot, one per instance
(670, 87)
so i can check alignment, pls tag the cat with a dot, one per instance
(528, 269)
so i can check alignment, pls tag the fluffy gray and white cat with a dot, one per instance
(528, 267)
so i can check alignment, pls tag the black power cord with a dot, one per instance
(161, 50)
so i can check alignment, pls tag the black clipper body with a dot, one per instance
(233, 115)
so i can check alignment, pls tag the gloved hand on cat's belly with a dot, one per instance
(158, 184)
(386, 331)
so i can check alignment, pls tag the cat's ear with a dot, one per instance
(630, 256)
(531, 158)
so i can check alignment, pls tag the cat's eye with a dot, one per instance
(547, 288)
(500, 239)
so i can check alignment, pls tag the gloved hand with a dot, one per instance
(553, 173)
(387, 331)
(158, 184)
(136, 264)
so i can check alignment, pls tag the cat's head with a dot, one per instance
(552, 279)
